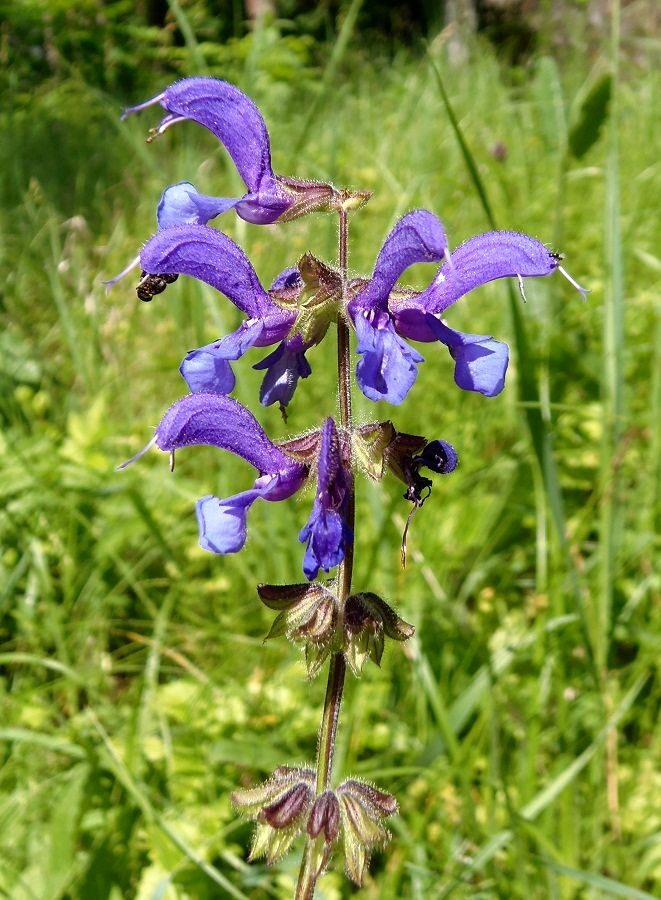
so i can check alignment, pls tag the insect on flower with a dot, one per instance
(150, 285)
(440, 457)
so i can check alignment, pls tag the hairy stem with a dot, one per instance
(313, 860)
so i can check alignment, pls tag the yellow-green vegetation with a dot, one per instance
(518, 727)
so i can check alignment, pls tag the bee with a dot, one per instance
(150, 285)
(435, 456)
(438, 456)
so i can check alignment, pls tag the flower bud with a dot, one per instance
(367, 620)
(325, 816)
(251, 801)
(362, 806)
(350, 201)
(307, 614)
(280, 807)
(288, 808)
(307, 197)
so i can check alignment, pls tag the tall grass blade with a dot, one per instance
(328, 85)
(529, 394)
(551, 792)
(613, 375)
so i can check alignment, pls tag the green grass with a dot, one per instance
(518, 727)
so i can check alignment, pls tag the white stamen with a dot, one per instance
(165, 124)
(172, 460)
(137, 455)
(521, 290)
(582, 291)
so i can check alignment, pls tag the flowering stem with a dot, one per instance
(312, 864)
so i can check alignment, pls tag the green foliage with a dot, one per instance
(517, 728)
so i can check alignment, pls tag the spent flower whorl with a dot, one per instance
(309, 615)
(280, 806)
(286, 804)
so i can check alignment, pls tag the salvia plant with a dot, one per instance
(332, 620)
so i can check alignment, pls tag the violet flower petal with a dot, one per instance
(324, 535)
(484, 258)
(207, 368)
(206, 371)
(226, 112)
(418, 237)
(326, 532)
(183, 204)
(480, 361)
(388, 368)
(221, 422)
(235, 120)
(284, 366)
(212, 257)
(222, 523)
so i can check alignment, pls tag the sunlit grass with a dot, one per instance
(518, 727)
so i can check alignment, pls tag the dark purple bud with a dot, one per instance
(284, 596)
(251, 801)
(306, 615)
(362, 807)
(325, 816)
(288, 808)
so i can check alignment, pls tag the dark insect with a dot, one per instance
(435, 456)
(439, 457)
(150, 285)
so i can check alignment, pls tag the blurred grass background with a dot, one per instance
(519, 727)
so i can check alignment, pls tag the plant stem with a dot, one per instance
(312, 863)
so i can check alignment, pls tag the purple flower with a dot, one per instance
(384, 317)
(283, 367)
(237, 123)
(212, 257)
(327, 533)
(222, 422)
